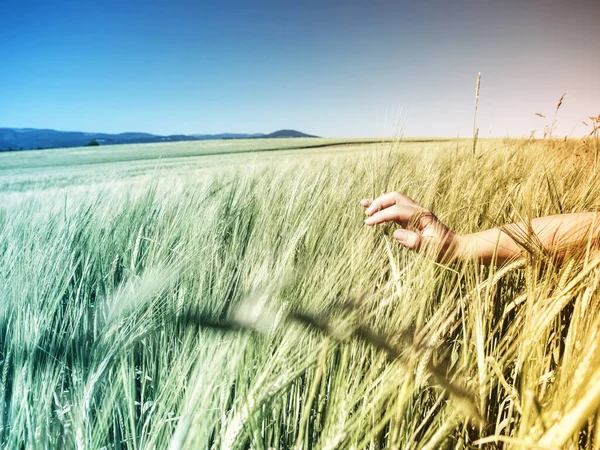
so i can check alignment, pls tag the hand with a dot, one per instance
(421, 230)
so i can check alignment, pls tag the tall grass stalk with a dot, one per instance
(475, 127)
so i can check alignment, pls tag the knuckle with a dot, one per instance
(426, 217)
(419, 215)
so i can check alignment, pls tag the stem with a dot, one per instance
(475, 129)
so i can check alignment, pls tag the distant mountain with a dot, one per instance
(228, 136)
(33, 138)
(30, 138)
(288, 134)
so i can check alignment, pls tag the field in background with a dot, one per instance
(213, 295)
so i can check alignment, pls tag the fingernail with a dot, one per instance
(368, 221)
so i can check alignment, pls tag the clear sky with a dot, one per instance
(331, 68)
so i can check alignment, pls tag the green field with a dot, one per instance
(226, 294)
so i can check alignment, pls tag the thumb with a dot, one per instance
(409, 239)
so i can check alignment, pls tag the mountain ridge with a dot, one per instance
(41, 138)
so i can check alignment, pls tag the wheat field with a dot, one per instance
(235, 300)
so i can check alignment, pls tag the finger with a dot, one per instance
(406, 200)
(366, 202)
(409, 239)
(382, 202)
(399, 214)
(387, 200)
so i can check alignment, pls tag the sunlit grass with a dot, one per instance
(251, 308)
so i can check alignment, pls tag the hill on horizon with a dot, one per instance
(289, 134)
(34, 138)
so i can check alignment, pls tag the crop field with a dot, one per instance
(227, 295)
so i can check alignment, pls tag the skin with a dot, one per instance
(423, 232)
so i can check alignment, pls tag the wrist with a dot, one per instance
(456, 248)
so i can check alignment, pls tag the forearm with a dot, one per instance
(554, 235)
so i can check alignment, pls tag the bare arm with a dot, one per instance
(555, 235)
(422, 231)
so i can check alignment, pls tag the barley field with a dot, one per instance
(227, 295)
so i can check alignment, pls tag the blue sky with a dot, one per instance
(338, 68)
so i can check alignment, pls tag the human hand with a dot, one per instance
(421, 230)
